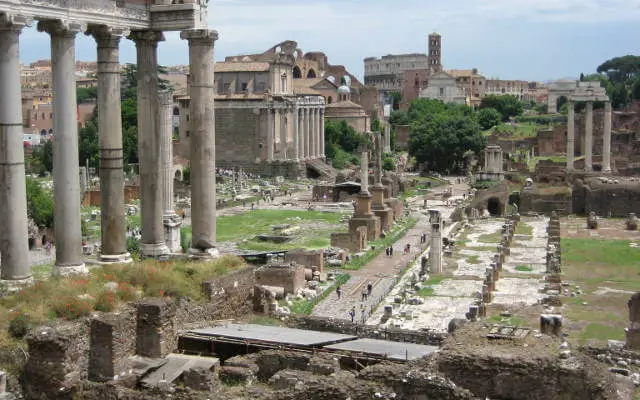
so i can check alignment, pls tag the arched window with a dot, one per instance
(297, 74)
(329, 100)
(311, 73)
(176, 111)
(43, 117)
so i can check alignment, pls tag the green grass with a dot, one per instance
(305, 307)
(599, 332)
(491, 237)
(524, 229)
(474, 259)
(425, 292)
(479, 248)
(265, 320)
(512, 321)
(534, 160)
(428, 290)
(381, 243)
(514, 132)
(524, 268)
(41, 272)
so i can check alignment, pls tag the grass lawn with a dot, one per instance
(610, 266)
(523, 229)
(491, 237)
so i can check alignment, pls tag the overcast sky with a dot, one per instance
(507, 39)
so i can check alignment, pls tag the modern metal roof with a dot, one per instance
(392, 350)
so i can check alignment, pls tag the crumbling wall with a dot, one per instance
(306, 258)
(542, 202)
(618, 198)
(290, 277)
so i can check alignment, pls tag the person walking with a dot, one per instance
(391, 251)
(369, 288)
(386, 251)
(364, 294)
(339, 292)
(352, 313)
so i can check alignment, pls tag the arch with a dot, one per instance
(329, 100)
(51, 131)
(494, 206)
(311, 73)
(177, 175)
(560, 101)
(176, 110)
(297, 74)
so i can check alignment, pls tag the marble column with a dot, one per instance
(66, 170)
(151, 201)
(283, 134)
(114, 244)
(318, 134)
(14, 246)
(270, 133)
(606, 139)
(203, 141)
(364, 172)
(170, 220)
(435, 248)
(571, 135)
(387, 138)
(296, 131)
(307, 134)
(588, 139)
(314, 132)
(322, 134)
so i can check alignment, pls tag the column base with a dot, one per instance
(211, 254)
(115, 258)
(67, 270)
(154, 249)
(8, 286)
(172, 224)
(606, 171)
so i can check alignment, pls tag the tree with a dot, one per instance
(620, 69)
(635, 89)
(88, 144)
(389, 164)
(506, 105)
(46, 155)
(619, 96)
(399, 117)
(488, 118)
(581, 77)
(84, 94)
(396, 97)
(39, 204)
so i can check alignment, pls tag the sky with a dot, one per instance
(507, 39)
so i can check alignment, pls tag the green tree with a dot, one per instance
(621, 69)
(396, 97)
(506, 105)
(39, 204)
(488, 118)
(46, 155)
(88, 147)
(399, 117)
(635, 89)
(389, 164)
(85, 94)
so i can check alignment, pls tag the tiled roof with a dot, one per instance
(344, 104)
(241, 67)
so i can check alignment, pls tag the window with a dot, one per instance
(43, 117)
(330, 100)
(283, 80)
(187, 117)
(243, 86)
(441, 91)
(50, 115)
(225, 87)
(188, 133)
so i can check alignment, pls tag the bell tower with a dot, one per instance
(435, 54)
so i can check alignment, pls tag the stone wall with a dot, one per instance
(306, 258)
(373, 332)
(558, 200)
(402, 137)
(619, 199)
(237, 136)
(290, 277)
(355, 242)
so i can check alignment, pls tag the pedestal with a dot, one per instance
(172, 224)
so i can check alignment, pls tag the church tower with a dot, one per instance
(435, 54)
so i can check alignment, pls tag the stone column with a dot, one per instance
(270, 133)
(203, 140)
(387, 139)
(606, 139)
(307, 133)
(151, 201)
(296, 131)
(114, 244)
(170, 219)
(364, 172)
(312, 133)
(66, 170)
(435, 250)
(14, 246)
(588, 140)
(300, 119)
(571, 135)
(322, 134)
(318, 134)
(283, 134)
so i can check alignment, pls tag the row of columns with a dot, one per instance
(308, 133)
(154, 192)
(588, 139)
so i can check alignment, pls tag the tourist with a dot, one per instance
(364, 294)
(352, 313)
(369, 288)
(386, 251)
(339, 292)
(252, 206)
(391, 251)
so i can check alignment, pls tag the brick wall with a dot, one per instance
(237, 137)
(290, 277)
(306, 258)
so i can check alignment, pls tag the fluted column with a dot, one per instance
(296, 131)
(203, 139)
(588, 140)
(270, 133)
(307, 134)
(314, 133)
(170, 219)
(571, 135)
(606, 139)
(66, 171)
(13, 198)
(318, 133)
(151, 201)
(114, 244)
(283, 134)
(322, 144)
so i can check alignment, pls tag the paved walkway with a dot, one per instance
(382, 271)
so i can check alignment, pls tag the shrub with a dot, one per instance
(133, 245)
(71, 308)
(19, 324)
(126, 292)
(389, 164)
(106, 301)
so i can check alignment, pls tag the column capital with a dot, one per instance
(151, 37)
(14, 21)
(205, 36)
(63, 28)
(165, 97)
(106, 36)
(607, 106)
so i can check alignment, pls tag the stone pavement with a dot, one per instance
(383, 271)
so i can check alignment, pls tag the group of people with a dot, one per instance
(366, 294)
(389, 251)
(423, 238)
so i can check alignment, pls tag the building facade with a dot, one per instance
(444, 87)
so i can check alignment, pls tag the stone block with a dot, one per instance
(199, 378)
(290, 277)
(372, 223)
(3, 382)
(386, 218)
(45, 373)
(111, 340)
(155, 336)
(551, 324)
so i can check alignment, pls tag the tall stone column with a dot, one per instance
(300, 118)
(296, 132)
(364, 172)
(435, 249)
(307, 133)
(322, 134)
(203, 141)
(151, 201)
(283, 134)
(114, 245)
(170, 219)
(387, 138)
(270, 133)
(606, 139)
(13, 198)
(588, 140)
(571, 135)
(318, 134)
(66, 170)
(312, 133)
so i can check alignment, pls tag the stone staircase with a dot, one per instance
(323, 169)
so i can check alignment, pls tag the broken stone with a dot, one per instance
(620, 371)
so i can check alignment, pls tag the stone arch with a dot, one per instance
(494, 206)
(297, 74)
(560, 101)
(329, 99)
(177, 174)
(176, 110)
(311, 73)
